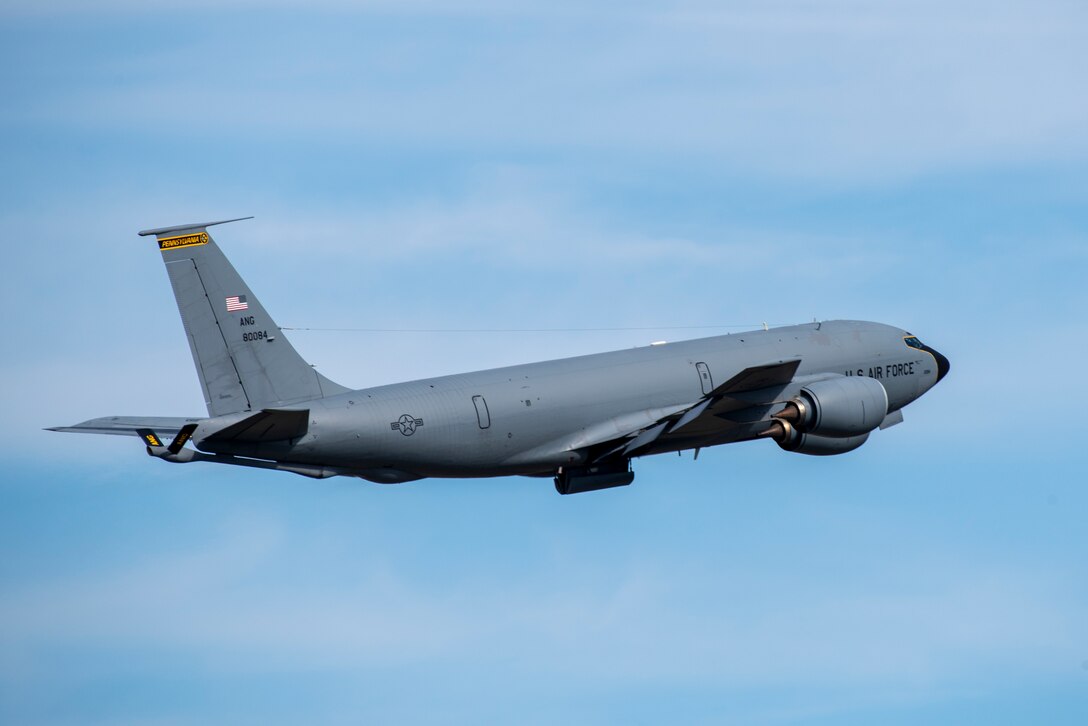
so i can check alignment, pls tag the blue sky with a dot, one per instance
(511, 165)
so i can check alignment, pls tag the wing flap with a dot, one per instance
(646, 438)
(692, 414)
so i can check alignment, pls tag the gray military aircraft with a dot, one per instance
(816, 389)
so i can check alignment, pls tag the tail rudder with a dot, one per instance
(242, 358)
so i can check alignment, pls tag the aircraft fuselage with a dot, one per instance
(534, 418)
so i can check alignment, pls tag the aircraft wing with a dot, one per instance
(128, 425)
(708, 417)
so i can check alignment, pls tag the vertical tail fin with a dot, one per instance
(241, 356)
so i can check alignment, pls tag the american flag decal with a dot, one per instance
(236, 303)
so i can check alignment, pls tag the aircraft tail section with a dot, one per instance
(242, 358)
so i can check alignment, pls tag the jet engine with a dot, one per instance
(844, 407)
(790, 439)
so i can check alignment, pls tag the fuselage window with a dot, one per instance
(913, 342)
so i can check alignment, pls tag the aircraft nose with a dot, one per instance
(942, 364)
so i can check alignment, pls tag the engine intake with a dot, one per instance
(838, 407)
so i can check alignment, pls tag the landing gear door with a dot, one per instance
(705, 381)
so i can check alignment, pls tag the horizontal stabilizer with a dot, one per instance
(129, 425)
(271, 424)
(183, 227)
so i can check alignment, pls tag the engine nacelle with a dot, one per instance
(790, 439)
(838, 407)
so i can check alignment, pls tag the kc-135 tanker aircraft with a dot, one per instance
(816, 389)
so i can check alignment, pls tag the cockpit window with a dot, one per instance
(913, 342)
